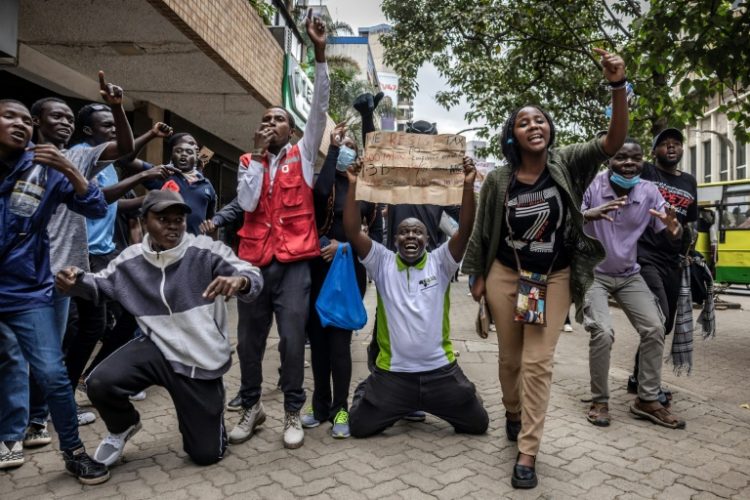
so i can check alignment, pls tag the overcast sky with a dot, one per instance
(362, 13)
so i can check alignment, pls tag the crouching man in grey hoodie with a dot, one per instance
(175, 285)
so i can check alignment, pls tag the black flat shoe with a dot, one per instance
(524, 477)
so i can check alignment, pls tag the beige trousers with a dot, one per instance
(526, 351)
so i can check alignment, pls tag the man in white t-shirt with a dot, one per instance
(416, 368)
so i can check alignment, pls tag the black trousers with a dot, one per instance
(92, 322)
(115, 337)
(140, 364)
(386, 397)
(330, 349)
(286, 293)
(664, 283)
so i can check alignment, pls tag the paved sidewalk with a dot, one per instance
(630, 459)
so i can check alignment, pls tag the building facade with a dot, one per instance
(209, 68)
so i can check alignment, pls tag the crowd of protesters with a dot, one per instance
(85, 260)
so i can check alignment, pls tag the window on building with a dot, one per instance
(706, 161)
(741, 161)
(723, 163)
(694, 160)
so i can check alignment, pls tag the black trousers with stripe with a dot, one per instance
(138, 365)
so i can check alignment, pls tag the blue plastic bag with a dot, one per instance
(339, 303)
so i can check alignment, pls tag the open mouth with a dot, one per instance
(18, 135)
(411, 246)
(536, 138)
(64, 132)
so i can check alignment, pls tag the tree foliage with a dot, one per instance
(499, 55)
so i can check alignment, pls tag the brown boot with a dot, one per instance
(599, 414)
(654, 411)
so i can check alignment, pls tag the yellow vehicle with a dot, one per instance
(724, 230)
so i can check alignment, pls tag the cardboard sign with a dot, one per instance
(412, 168)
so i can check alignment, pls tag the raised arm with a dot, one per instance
(117, 191)
(614, 72)
(123, 143)
(361, 243)
(365, 104)
(457, 243)
(318, 118)
(130, 162)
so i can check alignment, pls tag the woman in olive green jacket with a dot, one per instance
(542, 232)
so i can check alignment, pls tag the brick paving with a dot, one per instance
(630, 459)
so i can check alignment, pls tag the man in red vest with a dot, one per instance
(279, 235)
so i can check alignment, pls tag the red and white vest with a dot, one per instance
(283, 223)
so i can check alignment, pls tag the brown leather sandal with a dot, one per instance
(654, 411)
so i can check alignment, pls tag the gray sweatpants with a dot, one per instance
(641, 308)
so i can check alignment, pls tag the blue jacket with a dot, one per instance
(26, 280)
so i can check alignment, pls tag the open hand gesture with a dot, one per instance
(316, 30)
(600, 212)
(111, 93)
(669, 219)
(470, 171)
(613, 65)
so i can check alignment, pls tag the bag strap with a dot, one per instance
(329, 213)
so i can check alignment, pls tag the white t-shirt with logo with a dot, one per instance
(413, 324)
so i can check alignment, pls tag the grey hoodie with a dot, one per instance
(164, 291)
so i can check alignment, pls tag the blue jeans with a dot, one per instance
(38, 410)
(32, 337)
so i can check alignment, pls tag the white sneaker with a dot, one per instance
(85, 417)
(294, 435)
(250, 418)
(139, 396)
(568, 328)
(109, 450)
(11, 454)
(36, 435)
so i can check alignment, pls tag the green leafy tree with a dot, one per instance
(499, 55)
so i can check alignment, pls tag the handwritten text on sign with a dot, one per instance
(412, 168)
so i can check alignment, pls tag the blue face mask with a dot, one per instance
(346, 157)
(623, 182)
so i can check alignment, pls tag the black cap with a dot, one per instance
(665, 134)
(158, 201)
(421, 127)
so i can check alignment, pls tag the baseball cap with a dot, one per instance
(666, 133)
(421, 127)
(158, 201)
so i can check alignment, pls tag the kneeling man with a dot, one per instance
(174, 284)
(416, 368)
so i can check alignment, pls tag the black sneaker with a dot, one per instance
(235, 404)
(79, 464)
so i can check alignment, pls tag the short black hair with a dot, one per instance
(177, 138)
(36, 108)
(508, 142)
(86, 112)
(289, 117)
(12, 101)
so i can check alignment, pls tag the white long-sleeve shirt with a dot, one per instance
(250, 178)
